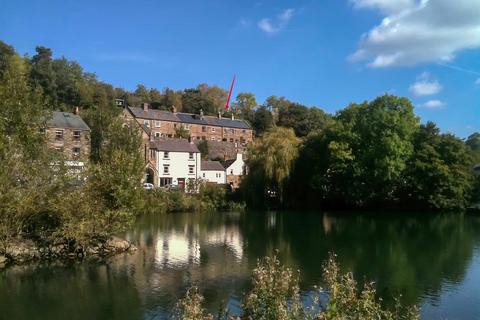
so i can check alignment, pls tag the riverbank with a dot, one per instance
(26, 251)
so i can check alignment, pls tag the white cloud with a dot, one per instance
(273, 26)
(433, 104)
(418, 31)
(425, 86)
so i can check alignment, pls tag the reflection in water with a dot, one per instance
(433, 261)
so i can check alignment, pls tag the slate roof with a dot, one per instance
(154, 114)
(67, 120)
(211, 166)
(228, 163)
(173, 145)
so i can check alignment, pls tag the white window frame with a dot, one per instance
(213, 129)
(191, 156)
(213, 139)
(191, 169)
(166, 169)
(158, 124)
(166, 155)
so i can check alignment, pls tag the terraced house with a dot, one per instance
(164, 124)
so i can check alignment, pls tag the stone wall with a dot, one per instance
(73, 143)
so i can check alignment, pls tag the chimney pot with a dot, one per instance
(77, 110)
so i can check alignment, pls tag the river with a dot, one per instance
(431, 260)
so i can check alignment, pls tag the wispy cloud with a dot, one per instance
(433, 104)
(123, 57)
(272, 26)
(425, 86)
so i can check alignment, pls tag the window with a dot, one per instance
(166, 169)
(198, 138)
(76, 135)
(231, 139)
(157, 134)
(191, 169)
(59, 134)
(146, 122)
(204, 174)
(212, 138)
(165, 182)
(232, 130)
(204, 129)
(166, 155)
(213, 129)
(190, 156)
(76, 152)
(186, 127)
(244, 131)
(41, 130)
(158, 124)
(231, 171)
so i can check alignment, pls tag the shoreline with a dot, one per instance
(26, 251)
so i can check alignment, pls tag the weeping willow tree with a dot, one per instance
(270, 162)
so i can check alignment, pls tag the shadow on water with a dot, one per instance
(426, 258)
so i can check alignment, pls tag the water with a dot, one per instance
(433, 261)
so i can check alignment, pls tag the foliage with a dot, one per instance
(345, 301)
(275, 292)
(182, 133)
(275, 295)
(190, 307)
(270, 161)
(473, 142)
(204, 149)
(262, 121)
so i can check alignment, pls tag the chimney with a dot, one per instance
(233, 116)
(145, 106)
(174, 110)
(77, 111)
(219, 115)
(201, 114)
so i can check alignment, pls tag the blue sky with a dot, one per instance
(324, 53)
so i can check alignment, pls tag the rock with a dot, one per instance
(115, 244)
(22, 251)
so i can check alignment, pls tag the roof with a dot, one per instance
(228, 163)
(211, 166)
(154, 114)
(67, 120)
(173, 145)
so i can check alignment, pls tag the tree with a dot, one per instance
(245, 105)
(6, 52)
(263, 120)
(42, 73)
(473, 142)
(439, 174)
(193, 101)
(270, 161)
(204, 150)
(182, 133)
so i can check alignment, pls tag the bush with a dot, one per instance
(275, 295)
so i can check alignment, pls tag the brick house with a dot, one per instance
(163, 124)
(70, 135)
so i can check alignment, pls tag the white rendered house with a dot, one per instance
(235, 170)
(213, 171)
(177, 162)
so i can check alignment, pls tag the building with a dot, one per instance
(235, 169)
(176, 161)
(164, 124)
(70, 135)
(212, 171)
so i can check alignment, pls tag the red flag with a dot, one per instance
(230, 93)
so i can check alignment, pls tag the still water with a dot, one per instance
(432, 261)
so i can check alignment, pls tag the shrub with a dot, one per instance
(190, 307)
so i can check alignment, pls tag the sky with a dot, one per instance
(324, 53)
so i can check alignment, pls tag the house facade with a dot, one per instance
(67, 133)
(235, 170)
(212, 171)
(177, 162)
(163, 124)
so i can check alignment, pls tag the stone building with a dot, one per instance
(70, 135)
(163, 124)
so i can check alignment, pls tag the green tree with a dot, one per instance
(6, 52)
(263, 120)
(42, 73)
(204, 150)
(473, 142)
(244, 106)
(270, 161)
